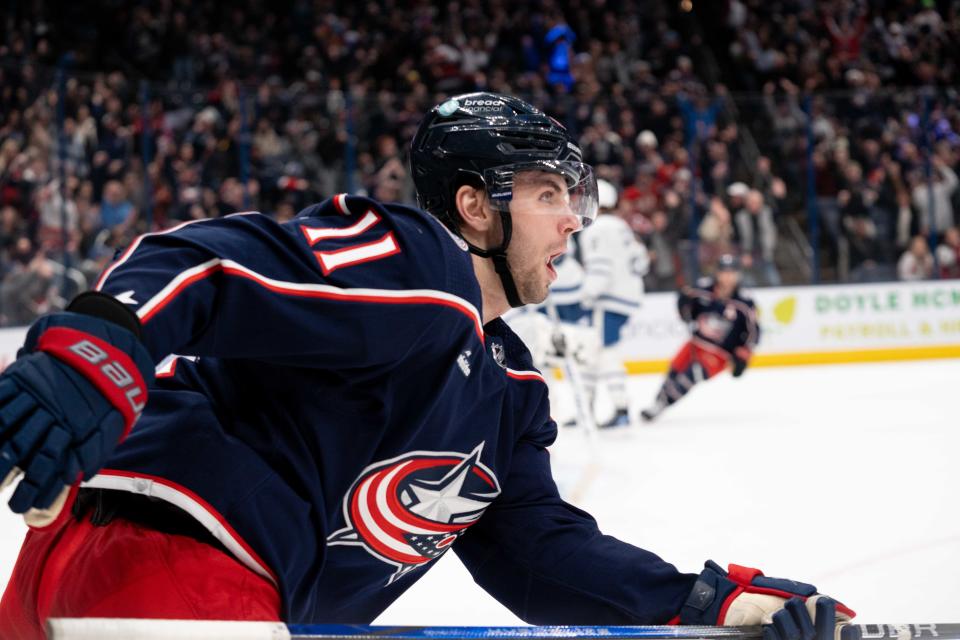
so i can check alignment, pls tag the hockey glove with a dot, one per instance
(77, 387)
(743, 596)
(741, 358)
(559, 342)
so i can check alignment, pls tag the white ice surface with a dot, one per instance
(843, 476)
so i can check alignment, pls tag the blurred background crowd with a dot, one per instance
(819, 140)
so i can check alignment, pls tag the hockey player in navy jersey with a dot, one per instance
(352, 408)
(725, 333)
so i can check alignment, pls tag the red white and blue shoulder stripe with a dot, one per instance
(208, 287)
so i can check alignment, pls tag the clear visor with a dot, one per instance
(545, 187)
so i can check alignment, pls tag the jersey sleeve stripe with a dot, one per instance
(136, 243)
(627, 303)
(123, 258)
(168, 366)
(308, 290)
(183, 280)
(179, 496)
(570, 289)
(751, 317)
(340, 202)
(525, 375)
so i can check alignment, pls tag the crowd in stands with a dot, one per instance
(870, 91)
(175, 111)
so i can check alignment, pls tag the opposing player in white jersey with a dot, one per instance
(559, 336)
(614, 264)
(566, 293)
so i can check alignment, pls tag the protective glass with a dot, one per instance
(545, 187)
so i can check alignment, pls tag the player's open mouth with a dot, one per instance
(551, 269)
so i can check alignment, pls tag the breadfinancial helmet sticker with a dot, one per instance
(409, 510)
(484, 105)
(449, 107)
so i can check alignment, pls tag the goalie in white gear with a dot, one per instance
(614, 263)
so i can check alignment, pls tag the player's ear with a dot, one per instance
(476, 216)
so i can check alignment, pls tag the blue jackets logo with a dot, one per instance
(409, 510)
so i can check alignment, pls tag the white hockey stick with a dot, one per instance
(571, 371)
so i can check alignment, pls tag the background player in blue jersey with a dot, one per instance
(725, 333)
(353, 408)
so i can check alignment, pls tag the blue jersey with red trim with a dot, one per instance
(341, 417)
(729, 323)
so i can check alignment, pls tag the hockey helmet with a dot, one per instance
(728, 262)
(607, 195)
(485, 140)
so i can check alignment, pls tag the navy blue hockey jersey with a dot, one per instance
(729, 323)
(341, 417)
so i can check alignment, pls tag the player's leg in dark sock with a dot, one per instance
(677, 385)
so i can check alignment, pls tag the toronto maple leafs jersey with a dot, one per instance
(728, 323)
(614, 264)
(566, 289)
(341, 417)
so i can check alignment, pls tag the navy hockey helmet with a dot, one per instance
(483, 140)
(728, 262)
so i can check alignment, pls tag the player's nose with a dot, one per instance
(570, 223)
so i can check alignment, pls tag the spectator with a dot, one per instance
(846, 32)
(948, 254)
(716, 233)
(933, 200)
(859, 228)
(737, 196)
(323, 88)
(916, 263)
(644, 195)
(773, 189)
(12, 229)
(54, 212)
(648, 159)
(662, 275)
(116, 211)
(559, 39)
(758, 240)
(26, 290)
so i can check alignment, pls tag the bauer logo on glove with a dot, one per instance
(75, 391)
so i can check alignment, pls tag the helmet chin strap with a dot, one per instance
(499, 257)
(506, 279)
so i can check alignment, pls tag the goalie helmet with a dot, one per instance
(483, 140)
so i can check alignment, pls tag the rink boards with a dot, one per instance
(827, 324)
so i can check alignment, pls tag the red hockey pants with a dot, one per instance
(712, 358)
(126, 570)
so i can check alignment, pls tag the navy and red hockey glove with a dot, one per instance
(743, 596)
(77, 387)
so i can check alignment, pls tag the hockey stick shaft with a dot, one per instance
(849, 632)
(112, 628)
(581, 404)
(571, 371)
